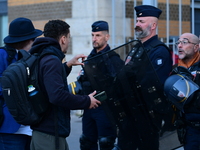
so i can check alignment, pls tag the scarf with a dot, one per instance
(190, 63)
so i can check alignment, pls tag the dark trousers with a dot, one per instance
(192, 139)
(95, 124)
(134, 136)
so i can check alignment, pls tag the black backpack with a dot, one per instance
(21, 91)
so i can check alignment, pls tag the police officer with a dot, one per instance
(96, 127)
(147, 21)
(188, 122)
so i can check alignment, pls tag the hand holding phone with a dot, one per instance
(101, 96)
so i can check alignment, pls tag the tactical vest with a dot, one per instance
(155, 44)
(107, 68)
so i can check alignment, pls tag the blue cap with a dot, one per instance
(100, 26)
(147, 11)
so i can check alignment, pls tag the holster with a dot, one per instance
(181, 130)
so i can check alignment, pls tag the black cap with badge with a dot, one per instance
(147, 11)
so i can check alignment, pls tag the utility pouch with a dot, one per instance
(181, 130)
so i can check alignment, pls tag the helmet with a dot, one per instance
(180, 90)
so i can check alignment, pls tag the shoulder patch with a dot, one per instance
(159, 61)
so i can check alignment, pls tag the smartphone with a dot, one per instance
(101, 96)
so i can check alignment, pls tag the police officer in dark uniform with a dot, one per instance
(96, 127)
(147, 20)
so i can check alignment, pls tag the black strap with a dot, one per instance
(23, 54)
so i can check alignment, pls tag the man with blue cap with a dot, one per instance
(145, 31)
(96, 127)
(21, 36)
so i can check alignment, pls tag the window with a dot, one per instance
(197, 22)
(3, 20)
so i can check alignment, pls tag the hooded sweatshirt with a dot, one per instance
(53, 82)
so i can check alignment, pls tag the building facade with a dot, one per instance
(178, 16)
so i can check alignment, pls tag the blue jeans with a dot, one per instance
(14, 141)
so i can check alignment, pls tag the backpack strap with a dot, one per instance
(23, 54)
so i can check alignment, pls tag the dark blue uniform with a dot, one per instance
(131, 138)
(160, 58)
(95, 123)
(192, 116)
(192, 137)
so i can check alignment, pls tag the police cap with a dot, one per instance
(147, 11)
(100, 26)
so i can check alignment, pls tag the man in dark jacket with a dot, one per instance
(96, 126)
(188, 119)
(51, 132)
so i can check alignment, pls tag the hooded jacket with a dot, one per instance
(53, 82)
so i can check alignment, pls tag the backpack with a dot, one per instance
(21, 91)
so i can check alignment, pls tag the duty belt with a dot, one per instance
(195, 125)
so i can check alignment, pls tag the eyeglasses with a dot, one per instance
(184, 42)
